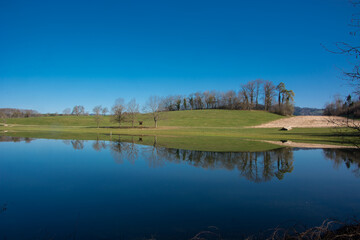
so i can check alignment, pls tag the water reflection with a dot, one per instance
(124, 150)
(78, 144)
(15, 139)
(254, 166)
(349, 157)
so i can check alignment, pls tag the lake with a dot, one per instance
(75, 189)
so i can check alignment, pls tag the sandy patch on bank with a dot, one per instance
(309, 122)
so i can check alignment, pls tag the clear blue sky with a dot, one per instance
(57, 54)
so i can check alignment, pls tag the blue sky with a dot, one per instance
(57, 54)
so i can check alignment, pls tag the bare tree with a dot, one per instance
(269, 93)
(198, 100)
(209, 98)
(169, 103)
(258, 83)
(118, 111)
(250, 90)
(154, 107)
(230, 99)
(97, 115)
(132, 110)
(245, 98)
(78, 110)
(3, 117)
(104, 111)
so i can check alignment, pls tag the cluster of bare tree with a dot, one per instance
(247, 98)
(122, 112)
(346, 108)
(17, 113)
(79, 110)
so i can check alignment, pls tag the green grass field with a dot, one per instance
(198, 118)
(220, 130)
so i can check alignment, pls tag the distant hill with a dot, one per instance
(299, 111)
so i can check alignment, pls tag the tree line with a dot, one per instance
(254, 95)
(343, 107)
(17, 113)
(247, 98)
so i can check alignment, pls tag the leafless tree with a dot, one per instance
(118, 111)
(199, 100)
(104, 111)
(245, 98)
(154, 107)
(97, 115)
(132, 111)
(258, 83)
(168, 103)
(3, 117)
(78, 110)
(269, 93)
(230, 99)
(249, 88)
(210, 100)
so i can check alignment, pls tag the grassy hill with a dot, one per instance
(189, 118)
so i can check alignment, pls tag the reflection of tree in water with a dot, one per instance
(254, 166)
(99, 145)
(78, 144)
(124, 150)
(15, 139)
(349, 157)
(154, 155)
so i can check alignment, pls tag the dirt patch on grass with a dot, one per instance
(308, 122)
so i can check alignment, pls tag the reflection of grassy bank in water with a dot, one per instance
(188, 137)
(222, 144)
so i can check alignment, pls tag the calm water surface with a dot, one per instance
(55, 189)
